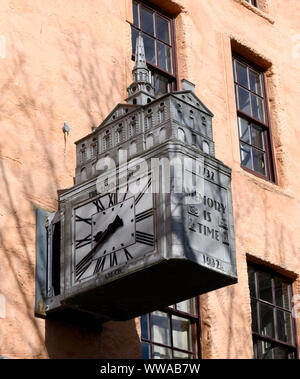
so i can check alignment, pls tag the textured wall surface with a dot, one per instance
(71, 61)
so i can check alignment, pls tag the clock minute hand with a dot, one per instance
(82, 266)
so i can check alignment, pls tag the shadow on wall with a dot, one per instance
(116, 340)
(33, 166)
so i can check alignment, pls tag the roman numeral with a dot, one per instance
(143, 215)
(141, 194)
(80, 272)
(112, 199)
(113, 259)
(127, 255)
(81, 219)
(83, 242)
(98, 205)
(100, 265)
(83, 265)
(144, 238)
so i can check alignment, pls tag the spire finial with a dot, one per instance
(140, 57)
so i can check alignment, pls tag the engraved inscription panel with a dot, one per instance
(207, 226)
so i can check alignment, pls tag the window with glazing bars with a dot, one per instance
(273, 327)
(253, 119)
(157, 31)
(172, 333)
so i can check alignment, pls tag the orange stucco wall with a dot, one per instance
(66, 60)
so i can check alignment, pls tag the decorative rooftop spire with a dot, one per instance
(141, 90)
(140, 71)
(140, 57)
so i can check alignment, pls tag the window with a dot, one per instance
(172, 333)
(253, 2)
(118, 135)
(94, 148)
(253, 119)
(82, 154)
(157, 31)
(273, 327)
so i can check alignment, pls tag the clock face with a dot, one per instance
(111, 230)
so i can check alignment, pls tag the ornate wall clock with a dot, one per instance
(119, 253)
(112, 229)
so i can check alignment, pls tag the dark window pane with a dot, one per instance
(149, 44)
(236, 96)
(265, 287)
(255, 82)
(161, 328)
(144, 327)
(147, 21)
(258, 108)
(245, 105)
(282, 294)
(255, 347)
(284, 326)
(244, 129)
(134, 35)
(161, 84)
(242, 75)
(145, 350)
(254, 316)
(135, 15)
(267, 320)
(251, 280)
(257, 137)
(246, 156)
(259, 162)
(164, 57)
(163, 31)
(281, 352)
(264, 350)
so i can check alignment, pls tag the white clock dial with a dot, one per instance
(122, 236)
(112, 230)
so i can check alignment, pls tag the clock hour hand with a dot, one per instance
(112, 227)
(83, 265)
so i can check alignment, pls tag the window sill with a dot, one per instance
(256, 11)
(264, 184)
